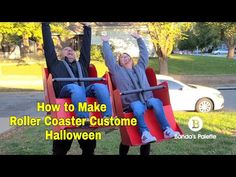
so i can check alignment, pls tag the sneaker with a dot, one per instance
(170, 133)
(147, 137)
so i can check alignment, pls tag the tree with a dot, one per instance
(207, 36)
(57, 28)
(164, 35)
(6, 29)
(203, 36)
(228, 31)
(63, 34)
(188, 44)
(26, 31)
(33, 31)
(11, 31)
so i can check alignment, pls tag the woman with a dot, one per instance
(127, 76)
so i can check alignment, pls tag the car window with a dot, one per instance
(172, 85)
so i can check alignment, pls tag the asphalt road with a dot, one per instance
(230, 100)
(24, 103)
(212, 55)
(18, 104)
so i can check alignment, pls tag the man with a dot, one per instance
(127, 76)
(69, 67)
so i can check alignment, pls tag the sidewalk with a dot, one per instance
(18, 104)
(4, 124)
(208, 80)
(22, 82)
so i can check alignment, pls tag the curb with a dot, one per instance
(226, 88)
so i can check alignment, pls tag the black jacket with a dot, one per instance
(56, 67)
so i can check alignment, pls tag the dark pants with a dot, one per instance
(144, 149)
(61, 147)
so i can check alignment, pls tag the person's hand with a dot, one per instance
(135, 35)
(85, 23)
(105, 38)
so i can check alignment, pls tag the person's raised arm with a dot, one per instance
(143, 52)
(85, 50)
(48, 45)
(108, 55)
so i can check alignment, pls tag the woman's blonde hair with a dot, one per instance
(119, 55)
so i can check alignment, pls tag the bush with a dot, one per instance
(96, 53)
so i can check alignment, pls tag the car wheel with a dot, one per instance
(204, 105)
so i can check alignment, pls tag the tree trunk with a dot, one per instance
(230, 54)
(163, 65)
(39, 48)
(25, 42)
(230, 41)
(5, 46)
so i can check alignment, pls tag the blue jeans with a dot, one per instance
(139, 109)
(79, 94)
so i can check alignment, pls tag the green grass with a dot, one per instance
(178, 64)
(197, 65)
(24, 70)
(35, 69)
(31, 140)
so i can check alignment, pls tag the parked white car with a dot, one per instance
(220, 52)
(190, 97)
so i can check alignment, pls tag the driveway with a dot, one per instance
(18, 104)
(24, 103)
